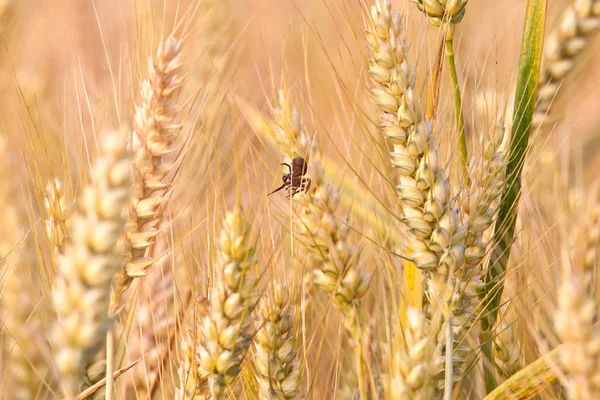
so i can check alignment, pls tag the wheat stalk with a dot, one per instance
(448, 13)
(89, 263)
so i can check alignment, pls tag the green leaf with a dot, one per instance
(525, 99)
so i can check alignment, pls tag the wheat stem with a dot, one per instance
(110, 364)
(449, 377)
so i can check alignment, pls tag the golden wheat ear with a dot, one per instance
(227, 329)
(153, 144)
(578, 25)
(90, 260)
(276, 361)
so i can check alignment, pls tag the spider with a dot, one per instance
(295, 181)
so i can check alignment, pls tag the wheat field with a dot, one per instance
(315, 199)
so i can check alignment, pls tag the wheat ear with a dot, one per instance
(443, 11)
(227, 329)
(575, 320)
(155, 131)
(478, 202)
(410, 361)
(448, 249)
(89, 263)
(580, 355)
(193, 381)
(276, 363)
(423, 189)
(21, 325)
(578, 24)
(23, 331)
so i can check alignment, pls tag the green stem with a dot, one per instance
(462, 140)
(525, 99)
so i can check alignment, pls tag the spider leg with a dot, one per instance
(289, 167)
(291, 191)
(306, 183)
(278, 189)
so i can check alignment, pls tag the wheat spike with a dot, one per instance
(277, 366)
(155, 132)
(578, 25)
(89, 263)
(227, 329)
